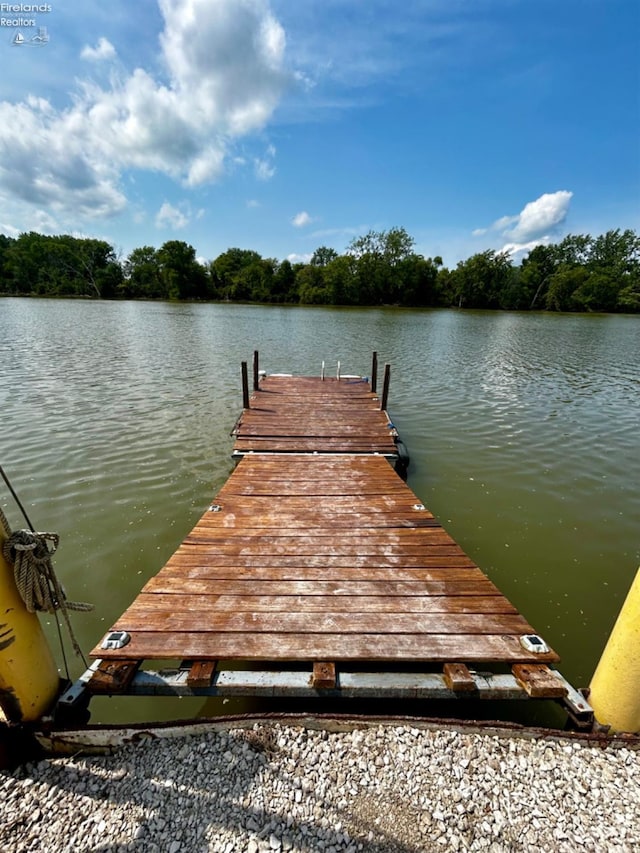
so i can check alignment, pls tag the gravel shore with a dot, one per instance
(274, 787)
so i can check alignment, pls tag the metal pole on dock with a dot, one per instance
(256, 372)
(374, 373)
(245, 386)
(385, 387)
(615, 687)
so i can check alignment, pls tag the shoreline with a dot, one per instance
(262, 785)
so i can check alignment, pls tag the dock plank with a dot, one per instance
(326, 623)
(183, 601)
(478, 586)
(319, 573)
(285, 558)
(432, 648)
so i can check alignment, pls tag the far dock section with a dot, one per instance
(320, 571)
(288, 414)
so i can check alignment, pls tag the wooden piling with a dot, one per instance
(245, 386)
(256, 371)
(374, 372)
(385, 387)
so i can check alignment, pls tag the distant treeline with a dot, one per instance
(581, 273)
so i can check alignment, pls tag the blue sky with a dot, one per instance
(283, 126)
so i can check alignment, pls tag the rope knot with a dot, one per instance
(30, 555)
(40, 545)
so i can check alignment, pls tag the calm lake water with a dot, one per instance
(523, 429)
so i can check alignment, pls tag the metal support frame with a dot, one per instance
(349, 685)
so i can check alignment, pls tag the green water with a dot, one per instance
(523, 431)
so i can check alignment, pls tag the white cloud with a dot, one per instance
(225, 73)
(264, 167)
(295, 258)
(539, 217)
(535, 223)
(253, 203)
(171, 217)
(103, 50)
(301, 219)
(9, 230)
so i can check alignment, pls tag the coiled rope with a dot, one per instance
(30, 555)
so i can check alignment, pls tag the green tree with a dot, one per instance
(629, 297)
(6, 276)
(614, 264)
(283, 284)
(562, 285)
(252, 283)
(377, 255)
(225, 270)
(341, 282)
(62, 265)
(534, 277)
(480, 281)
(29, 264)
(598, 292)
(323, 256)
(142, 275)
(311, 285)
(181, 274)
(574, 250)
(92, 264)
(416, 280)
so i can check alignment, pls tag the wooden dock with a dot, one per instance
(321, 559)
(313, 415)
(316, 554)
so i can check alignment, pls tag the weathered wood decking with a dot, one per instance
(318, 559)
(316, 551)
(311, 415)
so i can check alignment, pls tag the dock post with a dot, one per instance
(374, 372)
(245, 386)
(256, 372)
(615, 686)
(385, 387)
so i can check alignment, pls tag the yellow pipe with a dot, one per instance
(29, 678)
(615, 686)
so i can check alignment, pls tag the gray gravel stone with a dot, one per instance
(272, 787)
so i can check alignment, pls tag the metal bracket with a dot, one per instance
(78, 689)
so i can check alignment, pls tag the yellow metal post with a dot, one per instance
(29, 678)
(615, 686)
